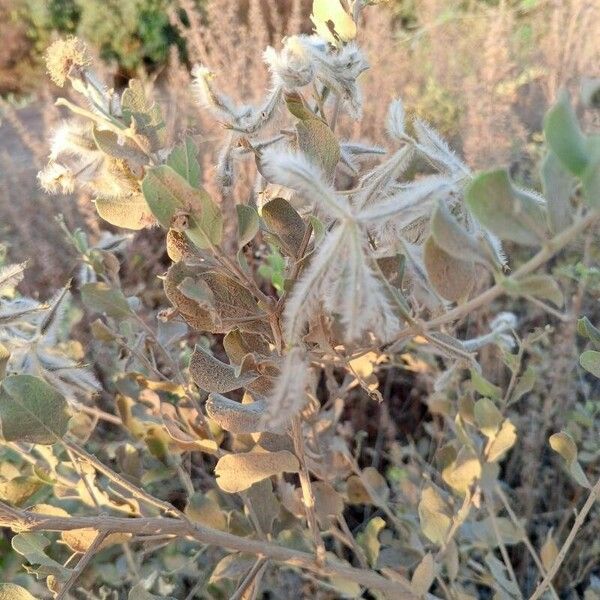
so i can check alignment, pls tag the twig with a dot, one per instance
(21, 521)
(560, 557)
(503, 551)
(308, 497)
(81, 565)
(553, 246)
(249, 579)
(525, 538)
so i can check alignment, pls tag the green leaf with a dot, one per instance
(484, 387)
(504, 210)
(461, 473)
(487, 417)
(236, 417)
(559, 185)
(562, 443)
(434, 516)
(10, 591)
(591, 176)
(283, 220)
(144, 114)
(213, 375)
(32, 546)
(524, 385)
(586, 329)
(590, 361)
(564, 135)
(454, 239)
(538, 286)
(102, 298)
(501, 442)
(332, 22)
(130, 212)
(32, 410)
(175, 203)
(368, 539)
(204, 509)
(139, 593)
(248, 224)
(315, 138)
(122, 148)
(233, 566)
(184, 161)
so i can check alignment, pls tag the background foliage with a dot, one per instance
(433, 474)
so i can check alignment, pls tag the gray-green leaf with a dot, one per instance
(31, 410)
(101, 297)
(504, 210)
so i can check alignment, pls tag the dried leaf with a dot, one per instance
(237, 472)
(453, 278)
(549, 551)
(10, 591)
(128, 212)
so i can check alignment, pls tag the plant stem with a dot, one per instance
(308, 498)
(560, 557)
(553, 246)
(21, 521)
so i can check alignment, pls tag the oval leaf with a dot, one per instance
(237, 472)
(32, 410)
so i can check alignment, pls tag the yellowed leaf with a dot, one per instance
(237, 472)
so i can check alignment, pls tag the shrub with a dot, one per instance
(234, 403)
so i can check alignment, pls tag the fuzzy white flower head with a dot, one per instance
(72, 138)
(293, 66)
(208, 96)
(340, 71)
(56, 178)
